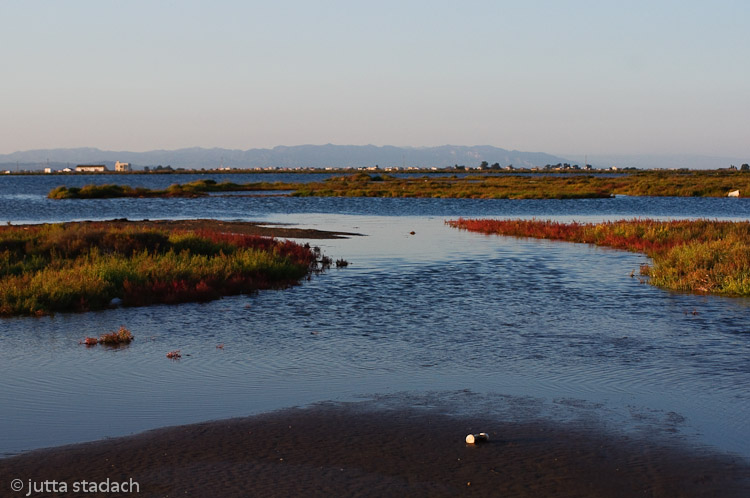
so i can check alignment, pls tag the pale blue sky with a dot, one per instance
(564, 77)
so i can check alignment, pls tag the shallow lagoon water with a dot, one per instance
(440, 311)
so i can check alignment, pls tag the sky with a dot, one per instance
(563, 77)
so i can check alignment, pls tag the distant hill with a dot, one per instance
(303, 156)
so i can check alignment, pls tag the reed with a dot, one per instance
(688, 255)
(74, 267)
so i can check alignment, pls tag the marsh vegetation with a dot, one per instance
(688, 255)
(674, 183)
(78, 267)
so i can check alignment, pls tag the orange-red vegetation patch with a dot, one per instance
(688, 255)
(81, 267)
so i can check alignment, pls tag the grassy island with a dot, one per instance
(84, 266)
(688, 255)
(198, 188)
(365, 185)
(474, 187)
(677, 183)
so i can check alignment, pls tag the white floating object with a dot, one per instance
(482, 437)
(734, 193)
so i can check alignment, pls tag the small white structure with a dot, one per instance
(122, 167)
(91, 168)
(734, 193)
(48, 170)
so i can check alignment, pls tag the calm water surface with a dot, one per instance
(441, 311)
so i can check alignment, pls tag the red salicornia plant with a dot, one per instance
(688, 255)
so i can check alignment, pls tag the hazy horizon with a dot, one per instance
(340, 155)
(570, 79)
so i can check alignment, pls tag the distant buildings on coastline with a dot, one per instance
(122, 167)
(91, 168)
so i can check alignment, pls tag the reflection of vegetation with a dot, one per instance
(688, 255)
(680, 183)
(51, 268)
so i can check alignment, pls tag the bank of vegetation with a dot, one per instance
(198, 188)
(474, 187)
(78, 267)
(700, 256)
(678, 183)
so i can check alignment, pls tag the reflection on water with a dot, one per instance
(440, 310)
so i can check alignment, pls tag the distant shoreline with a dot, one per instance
(538, 185)
(339, 156)
(334, 171)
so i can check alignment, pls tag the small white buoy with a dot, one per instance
(482, 437)
(734, 193)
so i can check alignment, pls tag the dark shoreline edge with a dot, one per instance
(265, 229)
(346, 449)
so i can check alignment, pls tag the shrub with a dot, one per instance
(122, 336)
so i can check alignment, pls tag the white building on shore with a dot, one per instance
(91, 168)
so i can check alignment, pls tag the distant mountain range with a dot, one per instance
(300, 156)
(341, 156)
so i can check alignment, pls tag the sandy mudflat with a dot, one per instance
(348, 450)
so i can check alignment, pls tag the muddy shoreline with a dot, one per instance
(239, 227)
(333, 449)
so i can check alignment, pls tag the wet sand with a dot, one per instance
(356, 450)
(240, 227)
